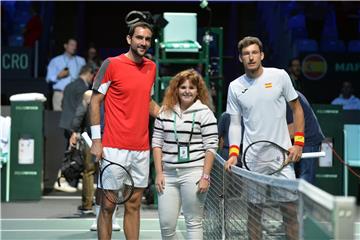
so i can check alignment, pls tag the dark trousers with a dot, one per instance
(306, 168)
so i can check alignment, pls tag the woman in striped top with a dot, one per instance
(184, 144)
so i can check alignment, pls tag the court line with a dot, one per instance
(61, 197)
(71, 230)
(64, 219)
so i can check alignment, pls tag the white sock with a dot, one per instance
(97, 211)
(114, 216)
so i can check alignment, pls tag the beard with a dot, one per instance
(135, 52)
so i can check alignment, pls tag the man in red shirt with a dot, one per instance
(125, 84)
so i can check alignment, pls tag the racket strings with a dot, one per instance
(264, 158)
(117, 184)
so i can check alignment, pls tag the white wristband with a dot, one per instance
(95, 132)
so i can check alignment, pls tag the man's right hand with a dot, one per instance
(97, 149)
(229, 163)
(64, 73)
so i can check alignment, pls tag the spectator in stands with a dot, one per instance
(306, 168)
(33, 28)
(346, 98)
(72, 98)
(62, 70)
(294, 70)
(259, 97)
(184, 144)
(92, 57)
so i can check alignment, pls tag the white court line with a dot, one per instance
(67, 230)
(61, 197)
(62, 219)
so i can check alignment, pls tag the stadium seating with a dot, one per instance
(306, 45)
(297, 21)
(354, 46)
(299, 33)
(330, 28)
(332, 46)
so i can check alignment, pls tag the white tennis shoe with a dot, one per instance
(115, 227)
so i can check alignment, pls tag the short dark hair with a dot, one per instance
(139, 24)
(87, 68)
(293, 59)
(249, 40)
(69, 39)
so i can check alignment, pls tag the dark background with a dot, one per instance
(102, 23)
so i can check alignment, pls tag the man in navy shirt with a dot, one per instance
(306, 168)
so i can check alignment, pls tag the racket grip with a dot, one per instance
(313, 154)
(87, 139)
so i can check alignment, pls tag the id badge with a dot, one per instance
(183, 155)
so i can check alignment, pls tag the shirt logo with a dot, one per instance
(243, 91)
(268, 85)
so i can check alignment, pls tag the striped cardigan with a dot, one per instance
(204, 136)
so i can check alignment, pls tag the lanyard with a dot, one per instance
(68, 59)
(192, 128)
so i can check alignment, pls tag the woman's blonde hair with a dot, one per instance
(172, 94)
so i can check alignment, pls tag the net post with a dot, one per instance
(344, 217)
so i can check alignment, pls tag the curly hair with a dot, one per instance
(171, 97)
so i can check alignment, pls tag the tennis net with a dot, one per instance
(247, 205)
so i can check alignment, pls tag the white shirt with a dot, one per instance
(262, 104)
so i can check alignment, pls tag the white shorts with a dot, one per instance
(136, 162)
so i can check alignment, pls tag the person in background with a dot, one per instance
(124, 84)
(62, 70)
(347, 99)
(184, 144)
(81, 123)
(294, 71)
(34, 27)
(223, 131)
(92, 57)
(306, 168)
(72, 98)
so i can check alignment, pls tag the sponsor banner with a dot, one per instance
(16, 62)
(323, 74)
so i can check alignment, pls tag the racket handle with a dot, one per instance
(313, 154)
(87, 139)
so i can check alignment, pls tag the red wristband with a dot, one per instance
(299, 139)
(234, 151)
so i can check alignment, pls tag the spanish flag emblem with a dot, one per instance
(268, 85)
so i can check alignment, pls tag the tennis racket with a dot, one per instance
(268, 158)
(115, 180)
